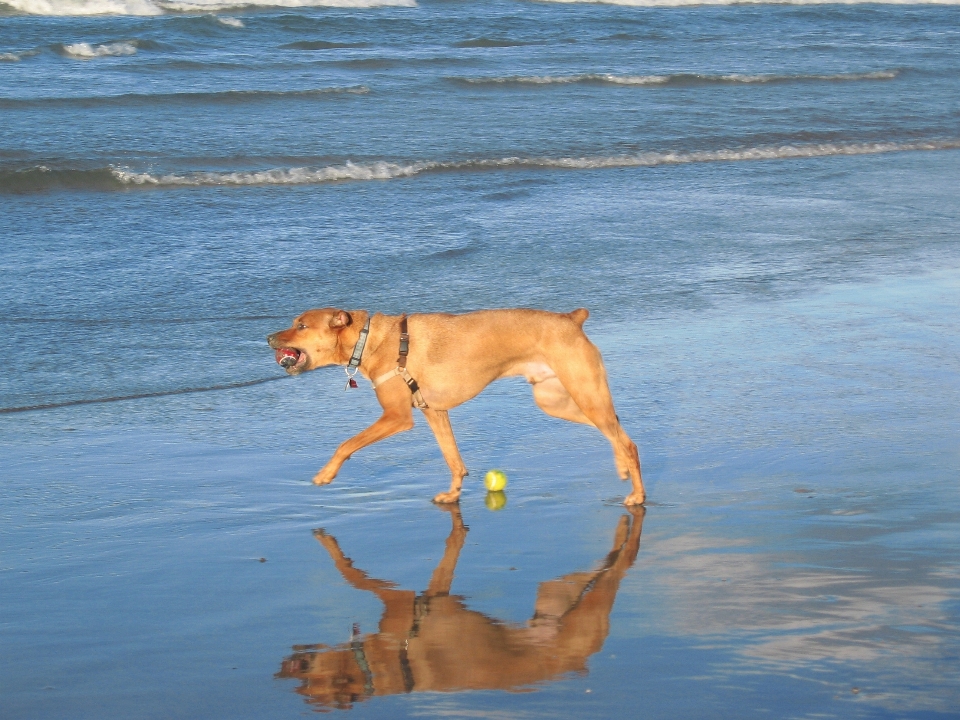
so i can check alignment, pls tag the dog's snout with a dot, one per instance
(272, 339)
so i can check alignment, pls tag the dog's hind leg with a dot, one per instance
(580, 370)
(552, 397)
(439, 422)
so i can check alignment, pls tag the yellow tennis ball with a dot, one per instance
(495, 500)
(495, 480)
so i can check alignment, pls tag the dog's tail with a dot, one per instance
(579, 316)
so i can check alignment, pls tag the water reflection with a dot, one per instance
(433, 641)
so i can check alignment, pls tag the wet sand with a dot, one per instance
(798, 557)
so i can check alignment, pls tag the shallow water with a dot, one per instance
(759, 206)
(796, 558)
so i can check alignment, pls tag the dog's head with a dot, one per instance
(332, 677)
(313, 341)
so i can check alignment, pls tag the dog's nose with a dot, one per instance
(271, 339)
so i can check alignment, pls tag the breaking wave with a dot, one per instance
(17, 56)
(673, 80)
(693, 3)
(159, 7)
(86, 51)
(115, 178)
(224, 96)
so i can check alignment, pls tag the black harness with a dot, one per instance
(399, 371)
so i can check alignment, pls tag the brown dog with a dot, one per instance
(434, 642)
(452, 358)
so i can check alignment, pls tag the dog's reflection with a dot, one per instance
(434, 642)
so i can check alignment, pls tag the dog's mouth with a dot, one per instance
(290, 359)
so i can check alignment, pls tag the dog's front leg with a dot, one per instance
(442, 577)
(439, 422)
(397, 416)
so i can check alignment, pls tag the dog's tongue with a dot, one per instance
(287, 356)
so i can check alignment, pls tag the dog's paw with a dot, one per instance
(636, 498)
(324, 477)
(446, 497)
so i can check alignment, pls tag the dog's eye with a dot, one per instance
(301, 326)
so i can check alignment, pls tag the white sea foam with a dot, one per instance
(86, 51)
(569, 79)
(281, 176)
(158, 7)
(673, 79)
(84, 7)
(212, 5)
(876, 75)
(388, 171)
(693, 3)
(231, 22)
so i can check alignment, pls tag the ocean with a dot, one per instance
(759, 203)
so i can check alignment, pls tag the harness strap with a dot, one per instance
(401, 369)
(408, 379)
(404, 342)
(405, 668)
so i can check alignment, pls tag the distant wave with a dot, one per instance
(86, 51)
(693, 3)
(223, 96)
(485, 42)
(672, 80)
(17, 56)
(159, 7)
(320, 45)
(114, 178)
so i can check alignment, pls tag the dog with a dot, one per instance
(438, 361)
(433, 642)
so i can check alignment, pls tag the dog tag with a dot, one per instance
(351, 383)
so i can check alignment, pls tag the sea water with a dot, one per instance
(758, 203)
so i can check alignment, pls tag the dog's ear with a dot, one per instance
(341, 318)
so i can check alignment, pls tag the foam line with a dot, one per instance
(388, 171)
(17, 57)
(223, 96)
(675, 79)
(114, 178)
(694, 3)
(159, 7)
(139, 396)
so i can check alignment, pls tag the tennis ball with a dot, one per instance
(495, 500)
(495, 480)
